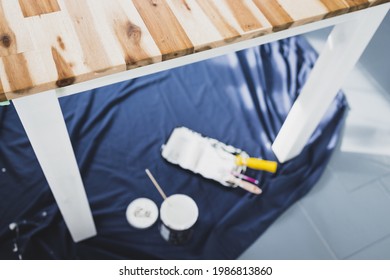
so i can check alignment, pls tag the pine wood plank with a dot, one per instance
(335, 7)
(55, 43)
(354, 3)
(14, 36)
(244, 15)
(304, 11)
(275, 14)
(251, 22)
(2, 94)
(225, 28)
(338, 7)
(165, 29)
(65, 55)
(25, 73)
(128, 33)
(266, 24)
(17, 73)
(65, 74)
(236, 20)
(357, 4)
(7, 36)
(35, 8)
(90, 36)
(194, 21)
(377, 2)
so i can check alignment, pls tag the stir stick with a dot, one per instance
(155, 184)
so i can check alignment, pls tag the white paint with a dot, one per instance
(345, 45)
(43, 121)
(142, 213)
(179, 212)
(13, 226)
(201, 155)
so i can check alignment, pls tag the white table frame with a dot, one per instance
(43, 120)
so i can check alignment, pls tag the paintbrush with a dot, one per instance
(244, 185)
(257, 163)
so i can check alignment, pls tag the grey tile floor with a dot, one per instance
(347, 214)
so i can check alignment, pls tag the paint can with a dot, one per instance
(178, 214)
(142, 213)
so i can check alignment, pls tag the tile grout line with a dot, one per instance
(365, 185)
(372, 83)
(367, 246)
(362, 185)
(337, 176)
(316, 230)
(382, 185)
(371, 79)
(387, 193)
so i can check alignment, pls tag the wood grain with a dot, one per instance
(228, 32)
(17, 73)
(65, 73)
(129, 33)
(244, 15)
(28, 73)
(377, 2)
(194, 22)
(7, 36)
(35, 8)
(355, 5)
(96, 58)
(304, 11)
(48, 44)
(165, 29)
(57, 44)
(13, 30)
(275, 13)
(335, 7)
(3, 97)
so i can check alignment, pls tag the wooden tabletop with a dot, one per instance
(47, 44)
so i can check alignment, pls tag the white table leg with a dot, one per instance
(343, 49)
(43, 121)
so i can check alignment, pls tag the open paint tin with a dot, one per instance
(178, 214)
(142, 213)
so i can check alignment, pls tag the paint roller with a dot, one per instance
(213, 159)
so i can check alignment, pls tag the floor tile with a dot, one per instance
(374, 57)
(356, 170)
(385, 180)
(348, 221)
(346, 214)
(290, 237)
(364, 153)
(367, 126)
(378, 251)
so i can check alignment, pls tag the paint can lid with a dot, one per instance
(179, 212)
(142, 213)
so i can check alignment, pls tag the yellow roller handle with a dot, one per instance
(258, 164)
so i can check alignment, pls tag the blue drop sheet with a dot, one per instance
(117, 131)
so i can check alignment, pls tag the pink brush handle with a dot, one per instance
(245, 185)
(247, 178)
